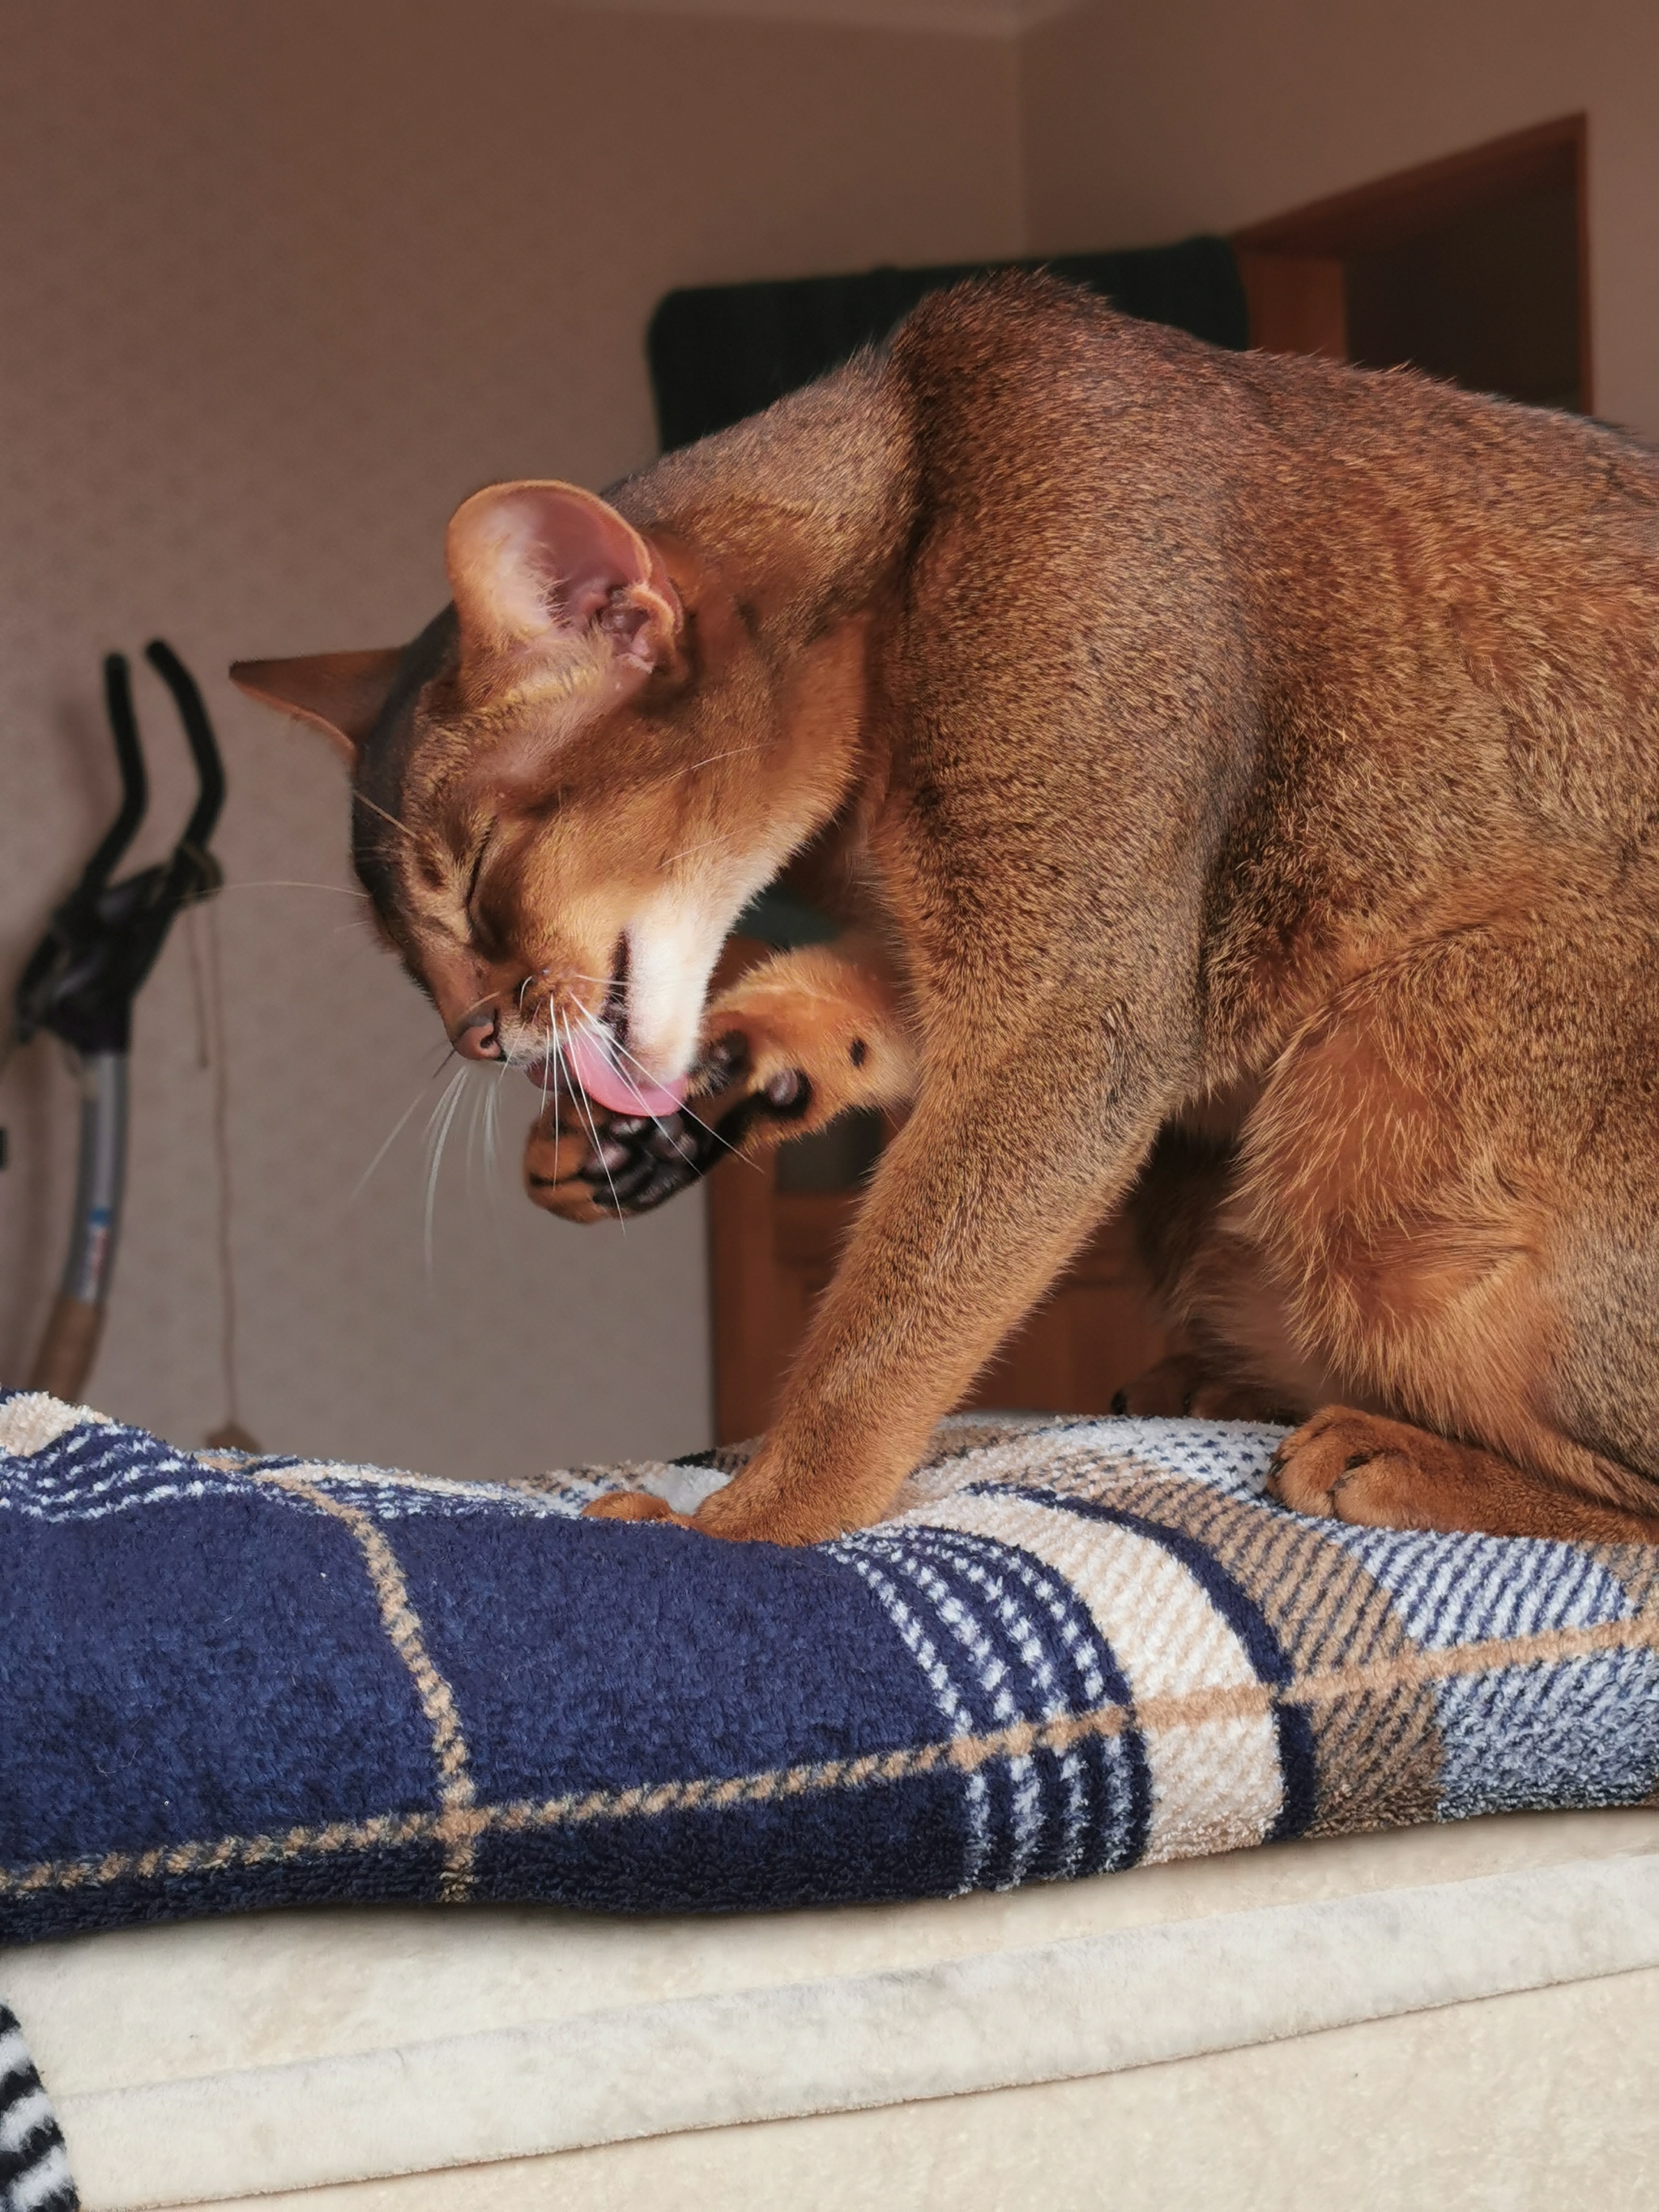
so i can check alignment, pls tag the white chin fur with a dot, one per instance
(672, 945)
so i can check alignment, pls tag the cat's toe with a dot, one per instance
(631, 1505)
(638, 1165)
(1348, 1465)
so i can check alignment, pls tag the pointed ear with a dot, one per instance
(341, 694)
(550, 566)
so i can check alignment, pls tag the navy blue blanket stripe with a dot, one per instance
(1080, 1645)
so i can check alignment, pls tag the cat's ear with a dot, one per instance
(550, 567)
(341, 694)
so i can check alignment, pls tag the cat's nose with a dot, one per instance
(478, 1037)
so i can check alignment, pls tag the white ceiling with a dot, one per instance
(984, 19)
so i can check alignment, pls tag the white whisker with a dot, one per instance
(581, 1097)
(472, 1139)
(443, 1117)
(720, 837)
(398, 1127)
(492, 1108)
(402, 828)
(292, 884)
(673, 774)
(492, 1092)
(482, 1000)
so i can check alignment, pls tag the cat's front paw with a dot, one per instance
(795, 1042)
(585, 1164)
(751, 1509)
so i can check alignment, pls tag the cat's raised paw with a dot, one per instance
(585, 1164)
(795, 1041)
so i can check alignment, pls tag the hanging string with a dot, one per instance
(7, 1045)
(207, 987)
(199, 990)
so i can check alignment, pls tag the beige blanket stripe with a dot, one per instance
(455, 1826)
(463, 1821)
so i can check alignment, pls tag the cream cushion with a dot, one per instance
(1465, 2015)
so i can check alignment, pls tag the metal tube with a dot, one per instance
(102, 1178)
(69, 1344)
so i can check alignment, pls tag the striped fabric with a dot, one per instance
(35, 2175)
(1078, 1646)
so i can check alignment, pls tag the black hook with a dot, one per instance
(203, 746)
(103, 939)
(135, 785)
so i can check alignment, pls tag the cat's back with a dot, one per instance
(1048, 390)
(1332, 547)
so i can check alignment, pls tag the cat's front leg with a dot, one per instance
(1000, 1173)
(795, 1041)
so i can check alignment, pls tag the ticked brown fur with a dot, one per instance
(1239, 776)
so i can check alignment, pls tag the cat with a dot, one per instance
(1237, 776)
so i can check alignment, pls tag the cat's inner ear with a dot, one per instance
(550, 568)
(341, 694)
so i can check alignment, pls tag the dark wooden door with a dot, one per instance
(773, 1249)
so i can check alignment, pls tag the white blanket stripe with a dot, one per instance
(1220, 1783)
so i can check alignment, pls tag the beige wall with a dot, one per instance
(284, 279)
(1147, 121)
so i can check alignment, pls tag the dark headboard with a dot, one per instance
(721, 351)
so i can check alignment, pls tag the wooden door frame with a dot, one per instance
(1291, 264)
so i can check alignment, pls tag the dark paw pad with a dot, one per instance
(633, 1163)
(788, 1094)
(725, 1061)
(637, 1163)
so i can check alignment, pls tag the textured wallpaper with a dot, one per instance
(282, 282)
(1205, 114)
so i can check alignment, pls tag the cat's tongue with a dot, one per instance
(606, 1085)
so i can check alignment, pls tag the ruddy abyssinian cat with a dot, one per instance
(1239, 779)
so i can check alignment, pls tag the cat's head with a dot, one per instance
(569, 784)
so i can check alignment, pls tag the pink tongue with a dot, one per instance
(604, 1083)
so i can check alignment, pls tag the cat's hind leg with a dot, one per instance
(1348, 1465)
(1454, 1176)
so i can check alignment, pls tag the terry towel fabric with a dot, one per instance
(1079, 1645)
(35, 2175)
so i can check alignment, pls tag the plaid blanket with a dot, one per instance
(1079, 1645)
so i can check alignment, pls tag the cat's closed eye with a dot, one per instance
(475, 875)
